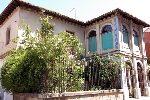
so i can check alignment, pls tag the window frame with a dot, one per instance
(126, 31)
(136, 36)
(71, 32)
(105, 32)
(91, 37)
(8, 34)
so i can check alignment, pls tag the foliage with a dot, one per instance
(103, 72)
(148, 62)
(43, 62)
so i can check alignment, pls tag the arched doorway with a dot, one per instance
(130, 74)
(140, 78)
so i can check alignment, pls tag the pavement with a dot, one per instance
(141, 98)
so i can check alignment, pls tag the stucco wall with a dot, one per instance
(11, 22)
(33, 20)
(85, 95)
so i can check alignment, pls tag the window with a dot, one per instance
(136, 41)
(107, 38)
(92, 41)
(7, 36)
(70, 32)
(125, 37)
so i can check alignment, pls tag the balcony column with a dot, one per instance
(86, 43)
(145, 79)
(137, 92)
(119, 25)
(142, 44)
(144, 61)
(131, 38)
(98, 38)
(124, 81)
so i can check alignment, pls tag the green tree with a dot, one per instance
(43, 62)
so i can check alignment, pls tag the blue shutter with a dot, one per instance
(95, 44)
(103, 42)
(136, 41)
(125, 39)
(92, 44)
(110, 40)
(107, 41)
(89, 40)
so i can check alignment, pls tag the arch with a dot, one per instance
(107, 37)
(92, 41)
(125, 36)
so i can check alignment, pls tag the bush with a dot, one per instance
(43, 62)
(103, 72)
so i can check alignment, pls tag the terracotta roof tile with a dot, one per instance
(18, 3)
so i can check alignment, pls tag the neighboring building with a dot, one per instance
(113, 32)
(147, 42)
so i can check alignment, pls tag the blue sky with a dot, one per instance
(88, 9)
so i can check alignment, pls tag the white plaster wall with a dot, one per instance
(33, 20)
(8, 96)
(12, 22)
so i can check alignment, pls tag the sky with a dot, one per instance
(88, 9)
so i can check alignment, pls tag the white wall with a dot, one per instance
(12, 22)
(33, 20)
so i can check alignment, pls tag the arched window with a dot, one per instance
(92, 41)
(107, 38)
(125, 37)
(136, 40)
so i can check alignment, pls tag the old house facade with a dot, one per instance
(113, 32)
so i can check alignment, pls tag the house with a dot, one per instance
(113, 32)
(147, 42)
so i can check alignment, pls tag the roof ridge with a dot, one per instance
(15, 3)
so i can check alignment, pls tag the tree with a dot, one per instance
(43, 62)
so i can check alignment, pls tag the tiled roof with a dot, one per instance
(18, 3)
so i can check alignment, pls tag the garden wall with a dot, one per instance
(84, 95)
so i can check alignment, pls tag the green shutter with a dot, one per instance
(107, 41)
(125, 39)
(92, 44)
(136, 41)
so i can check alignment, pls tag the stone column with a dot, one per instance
(119, 25)
(143, 53)
(131, 39)
(98, 38)
(137, 92)
(86, 43)
(145, 79)
(142, 44)
(124, 82)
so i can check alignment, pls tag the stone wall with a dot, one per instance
(84, 95)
